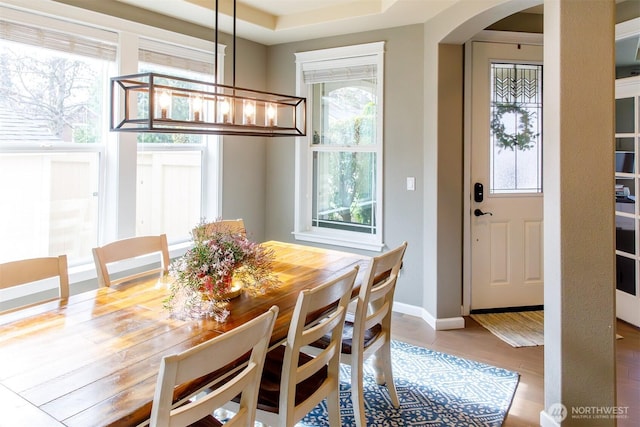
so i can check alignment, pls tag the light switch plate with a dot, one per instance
(411, 183)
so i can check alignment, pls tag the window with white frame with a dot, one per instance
(339, 163)
(53, 96)
(61, 191)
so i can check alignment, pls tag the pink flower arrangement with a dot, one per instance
(205, 273)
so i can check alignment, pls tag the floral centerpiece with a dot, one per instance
(218, 261)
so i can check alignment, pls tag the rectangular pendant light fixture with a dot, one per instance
(160, 103)
(152, 102)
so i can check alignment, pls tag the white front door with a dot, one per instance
(506, 227)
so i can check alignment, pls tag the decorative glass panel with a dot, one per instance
(516, 125)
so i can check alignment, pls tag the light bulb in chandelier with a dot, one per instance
(165, 103)
(249, 112)
(271, 116)
(224, 109)
(197, 105)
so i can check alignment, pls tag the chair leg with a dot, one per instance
(384, 369)
(333, 406)
(378, 369)
(357, 392)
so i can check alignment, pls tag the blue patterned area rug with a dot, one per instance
(435, 389)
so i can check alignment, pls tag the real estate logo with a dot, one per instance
(558, 412)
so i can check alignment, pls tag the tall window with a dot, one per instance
(66, 182)
(52, 133)
(516, 125)
(340, 161)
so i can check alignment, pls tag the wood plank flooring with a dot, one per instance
(476, 343)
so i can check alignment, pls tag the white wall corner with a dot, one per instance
(436, 324)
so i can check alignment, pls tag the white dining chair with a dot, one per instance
(367, 330)
(207, 358)
(106, 256)
(220, 226)
(293, 383)
(25, 271)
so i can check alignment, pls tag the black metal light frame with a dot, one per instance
(145, 102)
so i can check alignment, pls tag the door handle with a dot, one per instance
(478, 212)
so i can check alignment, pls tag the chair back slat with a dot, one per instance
(375, 300)
(235, 226)
(207, 358)
(373, 315)
(22, 272)
(334, 296)
(130, 248)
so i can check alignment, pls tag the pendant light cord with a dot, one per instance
(234, 43)
(215, 59)
(215, 47)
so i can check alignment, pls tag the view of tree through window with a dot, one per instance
(52, 103)
(61, 91)
(344, 168)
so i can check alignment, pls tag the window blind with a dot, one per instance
(56, 40)
(154, 52)
(320, 73)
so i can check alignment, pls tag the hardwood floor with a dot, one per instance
(476, 343)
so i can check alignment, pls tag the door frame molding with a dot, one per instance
(492, 37)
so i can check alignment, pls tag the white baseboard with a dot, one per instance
(436, 324)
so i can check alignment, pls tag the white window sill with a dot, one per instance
(339, 240)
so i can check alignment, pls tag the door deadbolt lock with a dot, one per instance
(478, 192)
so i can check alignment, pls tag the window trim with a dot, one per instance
(340, 57)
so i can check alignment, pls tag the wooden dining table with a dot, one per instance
(93, 359)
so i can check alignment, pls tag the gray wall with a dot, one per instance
(450, 175)
(403, 130)
(244, 166)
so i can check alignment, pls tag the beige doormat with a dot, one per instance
(518, 329)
